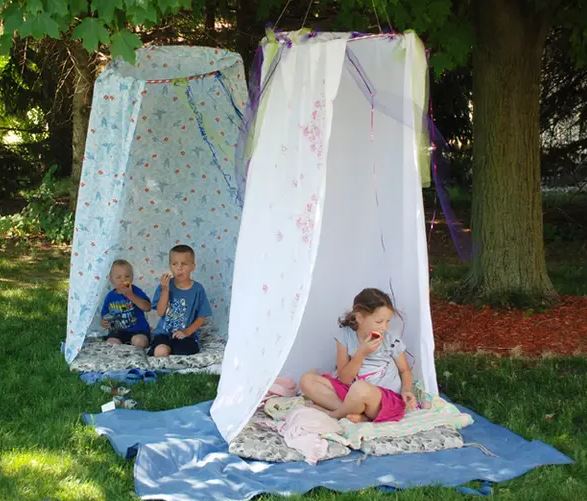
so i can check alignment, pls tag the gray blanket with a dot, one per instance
(98, 356)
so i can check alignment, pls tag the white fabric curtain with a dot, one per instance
(373, 231)
(333, 205)
(280, 228)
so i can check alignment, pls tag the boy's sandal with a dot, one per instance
(134, 376)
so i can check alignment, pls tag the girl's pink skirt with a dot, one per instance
(393, 408)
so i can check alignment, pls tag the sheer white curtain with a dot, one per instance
(333, 205)
(280, 229)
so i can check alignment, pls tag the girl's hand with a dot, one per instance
(370, 344)
(105, 324)
(410, 400)
(165, 279)
(179, 335)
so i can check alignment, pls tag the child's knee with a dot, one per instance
(113, 340)
(307, 381)
(362, 389)
(162, 350)
(140, 341)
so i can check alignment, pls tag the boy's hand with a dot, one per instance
(165, 279)
(105, 324)
(179, 335)
(126, 289)
(410, 400)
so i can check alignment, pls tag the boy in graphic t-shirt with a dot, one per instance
(123, 312)
(182, 305)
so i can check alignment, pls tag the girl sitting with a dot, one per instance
(373, 380)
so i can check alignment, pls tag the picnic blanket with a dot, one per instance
(180, 456)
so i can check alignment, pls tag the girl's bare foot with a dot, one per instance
(357, 418)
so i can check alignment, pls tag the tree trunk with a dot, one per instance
(210, 21)
(250, 30)
(82, 102)
(58, 96)
(508, 266)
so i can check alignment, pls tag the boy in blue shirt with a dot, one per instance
(123, 311)
(182, 305)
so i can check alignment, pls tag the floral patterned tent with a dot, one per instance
(158, 170)
(333, 204)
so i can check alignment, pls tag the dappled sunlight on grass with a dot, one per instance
(26, 267)
(27, 283)
(48, 454)
(33, 475)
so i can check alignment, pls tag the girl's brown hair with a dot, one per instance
(366, 302)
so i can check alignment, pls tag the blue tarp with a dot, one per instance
(180, 456)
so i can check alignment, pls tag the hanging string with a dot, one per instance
(280, 15)
(307, 12)
(376, 16)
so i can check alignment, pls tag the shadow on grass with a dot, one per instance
(47, 453)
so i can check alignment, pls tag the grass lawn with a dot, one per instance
(47, 454)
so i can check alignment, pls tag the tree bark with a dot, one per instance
(82, 102)
(250, 30)
(210, 20)
(508, 265)
(56, 72)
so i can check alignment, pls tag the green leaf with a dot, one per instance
(91, 32)
(43, 25)
(139, 15)
(106, 8)
(12, 18)
(77, 7)
(167, 6)
(34, 7)
(57, 7)
(5, 44)
(439, 10)
(124, 44)
(24, 30)
(440, 62)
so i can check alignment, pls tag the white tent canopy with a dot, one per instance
(158, 171)
(333, 205)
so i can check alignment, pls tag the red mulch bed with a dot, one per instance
(465, 328)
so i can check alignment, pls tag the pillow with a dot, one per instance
(212, 352)
(440, 438)
(100, 356)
